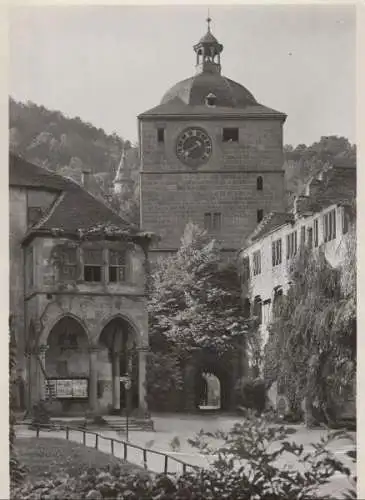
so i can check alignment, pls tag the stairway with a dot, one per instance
(119, 423)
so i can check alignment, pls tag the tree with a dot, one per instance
(196, 298)
(311, 350)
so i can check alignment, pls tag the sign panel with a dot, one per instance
(79, 389)
(67, 388)
(64, 389)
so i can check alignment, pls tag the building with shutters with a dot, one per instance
(320, 219)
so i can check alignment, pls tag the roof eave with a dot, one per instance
(236, 116)
(138, 237)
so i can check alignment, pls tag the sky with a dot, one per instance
(107, 64)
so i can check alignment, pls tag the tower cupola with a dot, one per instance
(208, 53)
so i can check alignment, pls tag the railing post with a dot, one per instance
(84, 437)
(125, 451)
(145, 458)
(166, 460)
(96, 441)
(112, 446)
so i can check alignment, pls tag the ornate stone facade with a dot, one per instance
(77, 296)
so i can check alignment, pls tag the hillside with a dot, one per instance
(68, 146)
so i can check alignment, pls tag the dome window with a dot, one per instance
(211, 99)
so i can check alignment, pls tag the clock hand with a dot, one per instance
(196, 145)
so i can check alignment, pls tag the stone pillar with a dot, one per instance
(93, 379)
(41, 369)
(116, 380)
(142, 393)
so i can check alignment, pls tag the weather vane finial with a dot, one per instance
(209, 20)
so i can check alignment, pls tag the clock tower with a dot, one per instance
(210, 154)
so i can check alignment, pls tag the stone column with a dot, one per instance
(93, 379)
(41, 368)
(116, 380)
(142, 393)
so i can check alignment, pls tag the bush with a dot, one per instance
(251, 393)
(41, 415)
(246, 463)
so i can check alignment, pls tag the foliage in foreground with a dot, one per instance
(246, 462)
(244, 467)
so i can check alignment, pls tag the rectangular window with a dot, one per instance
(276, 252)
(246, 269)
(329, 225)
(310, 238)
(212, 221)
(315, 229)
(291, 245)
(260, 215)
(117, 266)
(257, 309)
(230, 135)
(160, 135)
(207, 221)
(345, 220)
(302, 236)
(93, 264)
(217, 221)
(256, 263)
(68, 264)
(30, 266)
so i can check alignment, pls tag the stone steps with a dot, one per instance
(120, 424)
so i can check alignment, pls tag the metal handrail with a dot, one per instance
(126, 444)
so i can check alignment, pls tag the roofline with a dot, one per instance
(251, 116)
(313, 213)
(73, 235)
(34, 188)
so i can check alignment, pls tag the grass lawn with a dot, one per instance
(47, 457)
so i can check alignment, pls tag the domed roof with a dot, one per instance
(208, 38)
(194, 90)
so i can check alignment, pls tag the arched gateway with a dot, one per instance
(80, 373)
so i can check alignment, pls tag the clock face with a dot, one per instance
(194, 146)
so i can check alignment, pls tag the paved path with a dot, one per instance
(182, 427)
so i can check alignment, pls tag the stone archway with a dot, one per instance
(119, 357)
(66, 362)
(210, 397)
(213, 387)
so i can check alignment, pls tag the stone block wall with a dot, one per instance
(173, 194)
(259, 146)
(170, 201)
